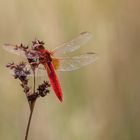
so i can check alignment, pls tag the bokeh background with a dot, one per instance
(102, 100)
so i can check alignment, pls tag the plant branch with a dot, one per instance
(28, 126)
(32, 105)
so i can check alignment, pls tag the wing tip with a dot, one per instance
(95, 56)
(7, 46)
(4, 45)
(86, 33)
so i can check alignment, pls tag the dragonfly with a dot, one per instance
(51, 60)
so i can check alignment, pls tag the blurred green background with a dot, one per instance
(102, 100)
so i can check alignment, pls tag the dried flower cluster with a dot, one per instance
(21, 72)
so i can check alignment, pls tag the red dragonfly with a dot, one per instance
(47, 58)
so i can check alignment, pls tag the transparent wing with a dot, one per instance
(76, 62)
(71, 63)
(40, 72)
(14, 49)
(22, 51)
(73, 44)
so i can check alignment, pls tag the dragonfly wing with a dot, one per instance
(74, 44)
(39, 72)
(76, 62)
(20, 50)
(14, 49)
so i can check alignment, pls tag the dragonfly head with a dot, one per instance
(38, 45)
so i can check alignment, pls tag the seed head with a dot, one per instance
(43, 89)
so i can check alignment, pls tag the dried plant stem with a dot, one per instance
(32, 105)
(28, 126)
(34, 82)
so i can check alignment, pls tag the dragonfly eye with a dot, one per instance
(38, 47)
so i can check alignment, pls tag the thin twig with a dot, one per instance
(32, 105)
(28, 126)
(34, 81)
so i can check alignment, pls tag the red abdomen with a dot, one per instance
(54, 80)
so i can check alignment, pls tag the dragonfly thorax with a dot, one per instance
(45, 57)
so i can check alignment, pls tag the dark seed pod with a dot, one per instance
(43, 89)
